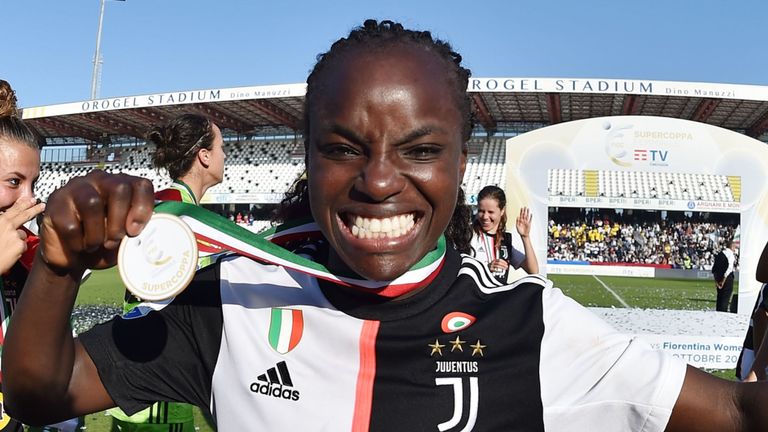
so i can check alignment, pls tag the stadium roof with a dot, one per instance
(501, 104)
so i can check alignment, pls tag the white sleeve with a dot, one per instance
(595, 378)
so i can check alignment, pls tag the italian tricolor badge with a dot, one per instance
(285, 329)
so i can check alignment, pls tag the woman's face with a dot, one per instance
(217, 156)
(385, 158)
(489, 215)
(19, 170)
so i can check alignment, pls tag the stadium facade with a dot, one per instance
(638, 161)
(502, 105)
(262, 128)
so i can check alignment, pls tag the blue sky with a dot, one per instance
(151, 46)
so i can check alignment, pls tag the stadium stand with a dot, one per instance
(261, 127)
(566, 182)
(255, 166)
(271, 167)
(644, 184)
(260, 167)
(485, 164)
(608, 239)
(608, 236)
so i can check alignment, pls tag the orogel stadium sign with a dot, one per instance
(618, 86)
(151, 100)
(476, 85)
(165, 99)
(560, 85)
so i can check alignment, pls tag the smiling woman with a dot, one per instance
(19, 152)
(19, 170)
(371, 319)
(491, 244)
(382, 145)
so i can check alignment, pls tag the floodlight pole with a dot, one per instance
(97, 56)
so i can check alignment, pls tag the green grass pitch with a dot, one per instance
(646, 293)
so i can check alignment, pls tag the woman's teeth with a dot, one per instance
(373, 228)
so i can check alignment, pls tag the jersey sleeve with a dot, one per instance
(595, 378)
(516, 257)
(763, 299)
(161, 355)
(473, 245)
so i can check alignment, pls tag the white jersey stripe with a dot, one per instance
(488, 284)
(473, 403)
(482, 274)
(286, 328)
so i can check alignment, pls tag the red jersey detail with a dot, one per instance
(168, 195)
(365, 377)
(33, 242)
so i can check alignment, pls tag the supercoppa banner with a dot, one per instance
(645, 144)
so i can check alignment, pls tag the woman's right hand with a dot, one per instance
(523, 222)
(86, 219)
(498, 265)
(13, 239)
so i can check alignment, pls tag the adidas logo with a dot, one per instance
(276, 383)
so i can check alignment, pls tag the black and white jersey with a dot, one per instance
(747, 355)
(268, 348)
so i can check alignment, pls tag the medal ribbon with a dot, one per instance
(5, 313)
(185, 190)
(490, 248)
(222, 232)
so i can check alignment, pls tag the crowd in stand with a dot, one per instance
(683, 244)
(611, 238)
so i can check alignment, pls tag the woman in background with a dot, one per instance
(191, 149)
(19, 170)
(491, 244)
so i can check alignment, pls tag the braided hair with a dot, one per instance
(372, 36)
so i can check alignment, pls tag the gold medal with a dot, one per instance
(161, 261)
